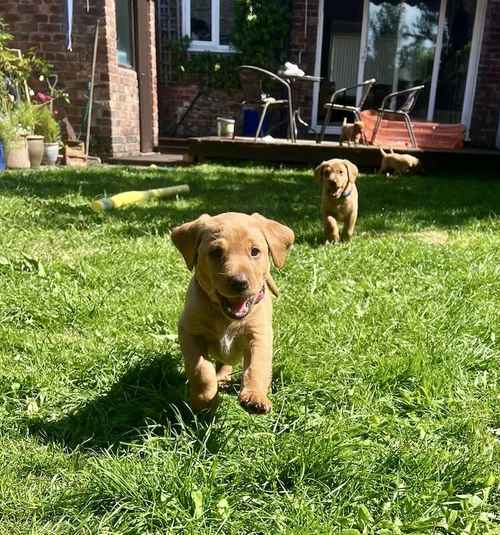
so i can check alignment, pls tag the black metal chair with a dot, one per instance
(356, 110)
(252, 84)
(390, 105)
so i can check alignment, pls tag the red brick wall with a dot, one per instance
(41, 25)
(174, 100)
(487, 102)
(302, 48)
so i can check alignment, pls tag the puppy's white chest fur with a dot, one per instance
(229, 347)
(226, 343)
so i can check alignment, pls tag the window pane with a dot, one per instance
(124, 41)
(401, 45)
(457, 39)
(201, 20)
(226, 21)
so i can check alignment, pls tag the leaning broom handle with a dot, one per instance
(91, 96)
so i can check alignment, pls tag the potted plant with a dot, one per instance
(48, 127)
(26, 116)
(13, 137)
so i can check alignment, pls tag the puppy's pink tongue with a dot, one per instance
(238, 306)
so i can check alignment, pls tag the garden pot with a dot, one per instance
(225, 127)
(2, 157)
(50, 153)
(35, 150)
(17, 154)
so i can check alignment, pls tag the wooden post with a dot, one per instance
(91, 96)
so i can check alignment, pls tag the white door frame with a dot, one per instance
(472, 68)
(437, 60)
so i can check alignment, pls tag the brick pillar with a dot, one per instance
(302, 48)
(486, 111)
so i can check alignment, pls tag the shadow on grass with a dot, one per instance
(146, 396)
(386, 204)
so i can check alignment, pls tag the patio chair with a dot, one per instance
(356, 110)
(390, 105)
(252, 79)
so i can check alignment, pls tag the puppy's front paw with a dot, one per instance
(255, 402)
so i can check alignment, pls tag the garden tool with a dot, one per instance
(133, 197)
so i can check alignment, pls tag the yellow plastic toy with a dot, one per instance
(133, 197)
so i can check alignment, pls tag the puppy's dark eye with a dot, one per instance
(216, 252)
(255, 252)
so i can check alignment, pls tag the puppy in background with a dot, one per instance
(228, 308)
(399, 164)
(339, 198)
(351, 132)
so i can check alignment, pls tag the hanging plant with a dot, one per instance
(261, 31)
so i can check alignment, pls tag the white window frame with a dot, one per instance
(205, 46)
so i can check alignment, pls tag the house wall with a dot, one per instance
(41, 25)
(302, 49)
(175, 97)
(486, 111)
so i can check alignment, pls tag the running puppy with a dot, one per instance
(351, 132)
(339, 198)
(228, 308)
(399, 164)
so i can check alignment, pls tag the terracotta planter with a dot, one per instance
(35, 150)
(50, 153)
(17, 154)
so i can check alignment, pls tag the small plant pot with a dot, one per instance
(35, 150)
(2, 157)
(225, 127)
(50, 153)
(17, 154)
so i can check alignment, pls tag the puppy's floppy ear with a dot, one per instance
(279, 238)
(187, 238)
(352, 171)
(318, 172)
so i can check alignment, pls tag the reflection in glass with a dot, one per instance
(401, 46)
(124, 36)
(340, 53)
(201, 20)
(457, 40)
(226, 21)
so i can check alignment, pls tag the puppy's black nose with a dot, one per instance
(239, 282)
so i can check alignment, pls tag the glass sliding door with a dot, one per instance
(455, 55)
(401, 43)
(340, 50)
(401, 46)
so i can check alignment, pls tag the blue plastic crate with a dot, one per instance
(251, 122)
(2, 157)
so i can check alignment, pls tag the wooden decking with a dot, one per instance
(153, 158)
(308, 152)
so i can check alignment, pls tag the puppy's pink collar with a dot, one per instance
(260, 295)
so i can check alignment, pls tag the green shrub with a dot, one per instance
(47, 126)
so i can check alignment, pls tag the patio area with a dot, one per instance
(308, 152)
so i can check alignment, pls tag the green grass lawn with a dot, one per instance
(386, 358)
